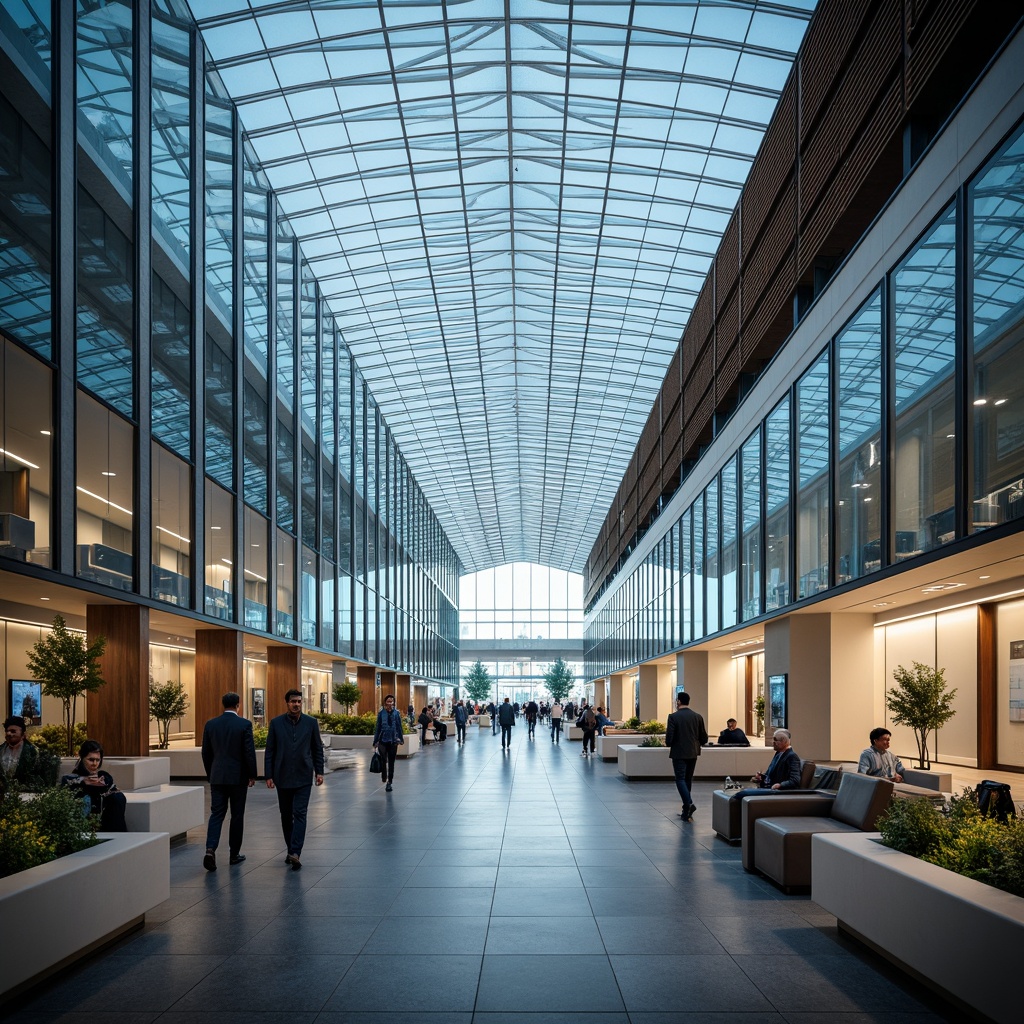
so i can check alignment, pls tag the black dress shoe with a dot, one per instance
(210, 861)
(237, 858)
(693, 808)
(296, 863)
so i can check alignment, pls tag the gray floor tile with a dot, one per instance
(429, 986)
(543, 935)
(570, 984)
(641, 934)
(428, 935)
(678, 983)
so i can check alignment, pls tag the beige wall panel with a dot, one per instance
(1009, 735)
(905, 643)
(956, 642)
(853, 690)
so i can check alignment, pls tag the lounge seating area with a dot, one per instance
(726, 813)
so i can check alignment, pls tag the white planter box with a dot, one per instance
(713, 763)
(187, 762)
(170, 809)
(959, 935)
(407, 749)
(130, 773)
(66, 907)
(608, 746)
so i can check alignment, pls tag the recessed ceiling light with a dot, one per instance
(106, 472)
(44, 599)
(883, 604)
(950, 436)
(984, 577)
(45, 433)
(981, 401)
(1000, 401)
(939, 587)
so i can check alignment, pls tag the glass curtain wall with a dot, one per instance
(826, 461)
(277, 407)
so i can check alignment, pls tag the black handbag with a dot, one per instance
(375, 764)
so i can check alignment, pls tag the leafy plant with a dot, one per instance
(631, 723)
(348, 725)
(347, 695)
(54, 737)
(651, 727)
(920, 699)
(559, 680)
(259, 736)
(759, 709)
(962, 840)
(478, 683)
(652, 741)
(166, 702)
(39, 830)
(68, 668)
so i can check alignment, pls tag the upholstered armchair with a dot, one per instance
(726, 817)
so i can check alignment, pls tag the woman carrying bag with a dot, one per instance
(387, 738)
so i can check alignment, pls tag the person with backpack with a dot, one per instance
(588, 723)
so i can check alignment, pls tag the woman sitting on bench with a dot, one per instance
(96, 788)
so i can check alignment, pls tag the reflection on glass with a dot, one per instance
(712, 565)
(171, 524)
(284, 577)
(778, 447)
(255, 537)
(750, 516)
(220, 226)
(924, 313)
(220, 543)
(730, 581)
(859, 352)
(308, 597)
(220, 403)
(104, 486)
(172, 368)
(25, 226)
(997, 389)
(812, 499)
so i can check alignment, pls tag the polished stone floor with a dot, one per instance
(528, 887)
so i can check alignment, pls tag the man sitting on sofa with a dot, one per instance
(783, 773)
(877, 760)
(733, 735)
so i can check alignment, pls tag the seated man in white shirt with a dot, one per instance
(877, 761)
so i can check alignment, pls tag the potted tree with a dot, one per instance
(166, 702)
(921, 700)
(68, 668)
(347, 695)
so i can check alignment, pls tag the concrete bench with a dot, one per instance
(129, 773)
(636, 762)
(170, 809)
(187, 762)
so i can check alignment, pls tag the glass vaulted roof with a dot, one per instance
(510, 206)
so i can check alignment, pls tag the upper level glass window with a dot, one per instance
(996, 398)
(812, 507)
(171, 540)
(750, 524)
(924, 312)
(778, 451)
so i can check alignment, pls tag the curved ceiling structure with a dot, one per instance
(510, 206)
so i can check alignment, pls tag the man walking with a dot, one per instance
(294, 753)
(229, 757)
(461, 717)
(532, 710)
(684, 737)
(506, 719)
(556, 721)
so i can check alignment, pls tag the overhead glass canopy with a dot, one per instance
(510, 206)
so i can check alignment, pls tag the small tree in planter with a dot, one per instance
(759, 708)
(920, 699)
(68, 668)
(478, 683)
(559, 680)
(166, 702)
(347, 695)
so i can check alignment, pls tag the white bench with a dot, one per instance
(187, 762)
(636, 762)
(170, 809)
(129, 773)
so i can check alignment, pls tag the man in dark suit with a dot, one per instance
(294, 753)
(685, 735)
(229, 757)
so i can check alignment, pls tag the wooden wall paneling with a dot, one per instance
(699, 327)
(403, 692)
(727, 374)
(772, 169)
(988, 713)
(284, 673)
(117, 714)
(776, 241)
(219, 663)
(931, 28)
(366, 680)
(697, 430)
(387, 685)
(771, 320)
(728, 333)
(727, 262)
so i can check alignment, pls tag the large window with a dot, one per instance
(997, 326)
(730, 579)
(256, 572)
(171, 538)
(777, 476)
(220, 553)
(812, 498)
(859, 511)
(750, 516)
(924, 301)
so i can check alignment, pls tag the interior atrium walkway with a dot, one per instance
(528, 887)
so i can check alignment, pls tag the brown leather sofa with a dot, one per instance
(777, 830)
(726, 817)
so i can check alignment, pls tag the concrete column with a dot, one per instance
(620, 697)
(403, 691)
(829, 664)
(655, 692)
(387, 685)
(284, 673)
(709, 677)
(219, 659)
(366, 677)
(419, 697)
(339, 674)
(118, 713)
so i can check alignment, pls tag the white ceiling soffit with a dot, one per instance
(510, 208)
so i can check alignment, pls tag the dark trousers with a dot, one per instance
(506, 735)
(293, 804)
(588, 737)
(532, 723)
(494, 724)
(220, 798)
(683, 768)
(460, 732)
(387, 752)
(556, 729)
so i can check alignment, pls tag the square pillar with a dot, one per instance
(620, 698)
(655, 692)
(118, 713)
(284, 673)
(710, 678)
(403, 691)
(339, 674)
(219, 660)
(387, 685)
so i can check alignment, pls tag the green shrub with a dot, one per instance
(652, 741)
(36, 831)
(651, 727)
(259, 736)
(348, 725)
(55, 737)
(631, 723)
(962, 840)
